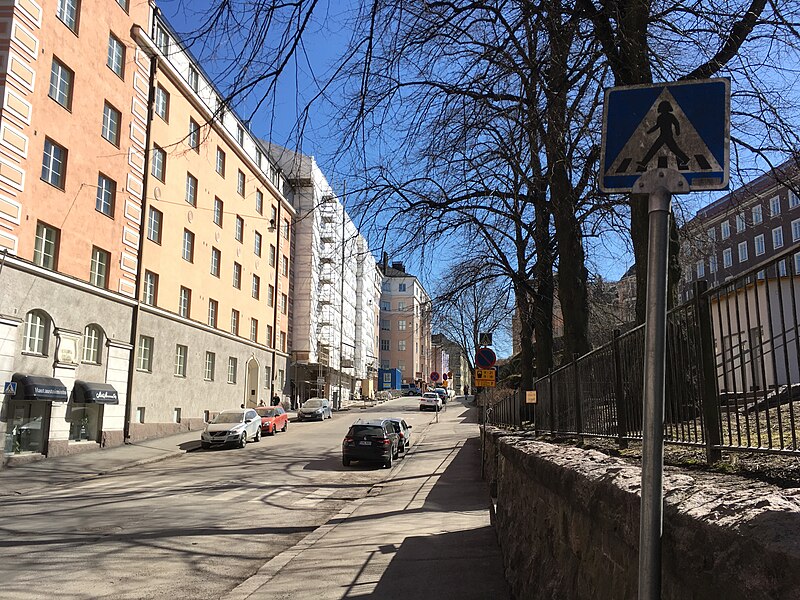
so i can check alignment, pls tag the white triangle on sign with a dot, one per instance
(660, 139)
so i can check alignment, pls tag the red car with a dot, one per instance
(273, 418)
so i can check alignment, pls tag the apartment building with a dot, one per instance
(450, 358)
(405, 324)
(74, 97)
(212, 323)
(335, 289)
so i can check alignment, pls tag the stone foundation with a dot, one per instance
(112, 438)
(148, 431)
(568, 524)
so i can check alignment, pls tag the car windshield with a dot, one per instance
(267, 412)
(313, 403)
(366, 431)
(232, 417)
(431, 395)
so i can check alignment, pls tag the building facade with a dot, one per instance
(449, 357)
(405, 325)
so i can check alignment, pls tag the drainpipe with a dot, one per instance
(276, 307)
(139, 251)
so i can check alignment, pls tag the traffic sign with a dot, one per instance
(484, 377)
(10, 388)
(434, 376)
(681, 125)
(444, 376)
(485, 358)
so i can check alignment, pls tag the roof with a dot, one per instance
(296, 166)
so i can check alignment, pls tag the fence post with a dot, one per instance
(552, 402)
(576, 374)
(709, 395)
(619, 394)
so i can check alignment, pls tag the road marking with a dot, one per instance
(315, 497)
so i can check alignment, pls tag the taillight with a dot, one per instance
(387, 442)
(348, 441)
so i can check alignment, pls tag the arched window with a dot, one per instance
(35, 335)
(92, 341)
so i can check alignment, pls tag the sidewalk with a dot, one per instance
(424, 533)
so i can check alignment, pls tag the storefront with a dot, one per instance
(29, 412)
(85, 411)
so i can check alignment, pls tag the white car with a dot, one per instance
(430, 401)
(232, 428)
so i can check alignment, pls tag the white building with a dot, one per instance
(336, 288)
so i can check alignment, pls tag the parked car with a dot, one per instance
(442, 394)
(403, 431)
(430, 401)
(374, 440)
(315, 408)
(412, 391)
(232, 428)
(273, 419)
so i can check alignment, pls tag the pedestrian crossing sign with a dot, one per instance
(683, 126)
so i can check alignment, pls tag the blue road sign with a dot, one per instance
(10, 388)
(683, 125)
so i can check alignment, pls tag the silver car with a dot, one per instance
(315, 408)
(232, 428)
(403, 430)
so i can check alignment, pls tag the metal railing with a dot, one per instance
(732, 366)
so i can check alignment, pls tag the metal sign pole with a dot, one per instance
(660, 184)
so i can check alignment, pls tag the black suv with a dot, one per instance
(374, 440)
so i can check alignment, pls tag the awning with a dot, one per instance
(99, 393)
(32, 387)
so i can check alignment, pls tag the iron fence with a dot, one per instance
(732, 373)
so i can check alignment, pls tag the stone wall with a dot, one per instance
(568, 523)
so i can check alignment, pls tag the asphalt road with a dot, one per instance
(192, 527)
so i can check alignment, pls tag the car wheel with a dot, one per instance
(205, 445)
(388, 463)
(271, 430)
(258, 435)
(346, 462)
(243, 440)
(285, 425)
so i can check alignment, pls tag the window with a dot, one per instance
(191, 189)
(385, 324)
(253, 329)
(45, 250)
(144, 358)
(271, 255)
(271, 295)
(284, 304)
(269, 336)
(387, 377)
(61, 79)
(194, 78)
(285, 266)
(742, 251)
(176, 415)
(220, 161)
(257, 244)
(162, 39)
(34, 339)
(237, 276)
(185, 302)
(259, 202)
(92, 339)
(740, 224)
(194, 135)
(188, 246)
(385, 305)
(796, 230)
(712, 263)
(150, 294)
(401, 345)
(797, 263)
(282, 348)
(256, 290)
(213, 306)
(162, 103)
(240, 135)
(154, 218)
(116, 56)
(180, 360)
(385, 345)
(239, 231)
(759, 245)
(727, 258)
(240, 183)
(701, 269)
(777, 237)
(106, 192)
(775, 206)
(401, 364)
(67, 12)
(234, 321)
(54, 164)
(757, 215)
(140, 414)
(232, 366)
(123, 4)
(725, 229)
(208, 373)
(794, 201)
(98, 274)
(259, 157)
(401, 325)
(218, 211)
(216, 258)
(712, 234)
(159, 168)
(111, 123)
(782, 268)
(285, 229)
(267, 377)
(401, 305)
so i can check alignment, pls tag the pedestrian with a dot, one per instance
(276, 400)
(261, 402)
(242, 404)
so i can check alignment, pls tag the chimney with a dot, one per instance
(385, 262)
(399, 266)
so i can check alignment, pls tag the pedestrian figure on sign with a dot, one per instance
(665, 123)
